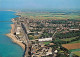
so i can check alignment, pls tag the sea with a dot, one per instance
(7, 47)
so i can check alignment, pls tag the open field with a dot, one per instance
(47, 15)
(68, 39)
(78, 41)
(74, 50)
(71, 46)
(77, 53)
(47, 43)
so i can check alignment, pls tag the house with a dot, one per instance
(39, 50)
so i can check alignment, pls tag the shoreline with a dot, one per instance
(13, 38)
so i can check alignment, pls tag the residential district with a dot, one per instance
(47, 37)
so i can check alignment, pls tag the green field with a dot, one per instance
(68, 39)
(46, 15)
(74, 50)
(47, 43)
(77, 53)
(78, 41)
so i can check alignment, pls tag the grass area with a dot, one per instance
(68, 39)
(33, 37)
(46, 15)
(74, 50)
(77, 53)
(78, 41)
(47, 43)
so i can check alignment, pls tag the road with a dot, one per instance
(54, 34)
(26, 40)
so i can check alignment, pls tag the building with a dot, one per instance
(45, 39)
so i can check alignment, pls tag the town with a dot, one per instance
(46, 37)
(39, 28)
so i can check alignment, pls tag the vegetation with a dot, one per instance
(74, 50)
(51, 15)
(68, 39)
(78, 41)
(46, 35)
(68, 35)
(77, 53)
(61, 55)
(47, 43)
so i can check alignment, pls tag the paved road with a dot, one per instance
(26, 41)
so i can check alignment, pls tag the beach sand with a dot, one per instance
(14, 39)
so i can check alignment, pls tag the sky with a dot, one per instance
(27, 4)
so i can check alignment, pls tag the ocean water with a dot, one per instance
(7, 47)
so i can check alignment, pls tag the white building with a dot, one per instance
(18, 30)
(74, 29)
(45, 39)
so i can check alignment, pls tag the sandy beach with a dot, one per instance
(14, 39)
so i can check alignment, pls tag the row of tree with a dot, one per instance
(67, 35)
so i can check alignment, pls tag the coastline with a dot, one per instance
(13, 38)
